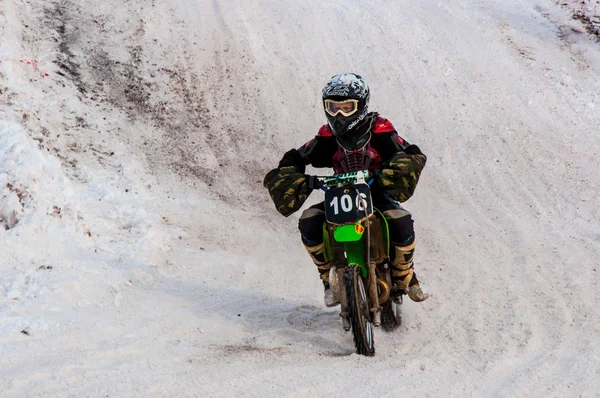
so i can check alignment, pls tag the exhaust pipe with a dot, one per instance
(384, 290)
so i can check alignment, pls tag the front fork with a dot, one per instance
(355, 258)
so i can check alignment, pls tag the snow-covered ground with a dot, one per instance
(141, 256)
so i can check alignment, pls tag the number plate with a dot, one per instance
(347, 204)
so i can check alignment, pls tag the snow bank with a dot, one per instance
(33, 189)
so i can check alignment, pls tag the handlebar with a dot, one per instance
(325, 182)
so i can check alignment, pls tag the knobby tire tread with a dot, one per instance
(358, 330)
(389, 321)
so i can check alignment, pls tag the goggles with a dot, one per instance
(346, 107)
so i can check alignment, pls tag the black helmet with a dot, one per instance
(346, 103)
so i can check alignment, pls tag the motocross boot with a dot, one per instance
(317, 253)
(403, 274)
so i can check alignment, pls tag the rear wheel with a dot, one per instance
(360, 317)
(391, 317)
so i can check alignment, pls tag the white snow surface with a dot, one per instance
(141, 256)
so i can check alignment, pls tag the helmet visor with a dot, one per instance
(346, 107)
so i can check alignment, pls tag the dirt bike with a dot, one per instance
(357, 242)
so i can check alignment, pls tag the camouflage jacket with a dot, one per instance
(400, 162)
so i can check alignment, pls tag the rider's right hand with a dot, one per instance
(314, 182)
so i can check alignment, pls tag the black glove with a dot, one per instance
(314, 182)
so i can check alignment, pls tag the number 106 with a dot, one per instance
(345, 202)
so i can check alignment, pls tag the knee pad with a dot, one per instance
(310, 225)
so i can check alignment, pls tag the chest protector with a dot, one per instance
(366, 158)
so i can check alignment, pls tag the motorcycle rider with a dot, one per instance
(354, 139)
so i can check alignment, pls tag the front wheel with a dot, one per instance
(360, 317)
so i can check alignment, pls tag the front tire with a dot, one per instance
(360, 316)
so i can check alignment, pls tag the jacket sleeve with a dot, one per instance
(294, 158)
(288, 183)
(400, 174)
